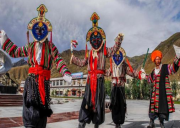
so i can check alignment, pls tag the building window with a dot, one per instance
(54, 83)
(61, 93)
(78, 82)
(74, 82)
(57, 82)
(73, 92)
(84, 82)
(57, 93)
(61, 82)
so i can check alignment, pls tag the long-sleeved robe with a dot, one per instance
(118, 100)
(36, 96)
(161, 101)
(92, 108)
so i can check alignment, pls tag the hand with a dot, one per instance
(67, 78)
(120, 37)
(74, 43)
(3, 37)
(142, 73)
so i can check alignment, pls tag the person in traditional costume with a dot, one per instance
(118, 71)
(161, 100)
(41, 53)
(93, 104)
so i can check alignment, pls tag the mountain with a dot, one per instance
(20, 63)
(20, 72)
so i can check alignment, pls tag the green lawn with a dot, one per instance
(177, 102)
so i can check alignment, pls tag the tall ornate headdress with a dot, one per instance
(40, 26)
(96, 35)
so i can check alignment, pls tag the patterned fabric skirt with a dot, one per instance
(34, 112)
(118, 104)
(87, 114)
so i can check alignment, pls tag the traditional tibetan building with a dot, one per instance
(59, 87)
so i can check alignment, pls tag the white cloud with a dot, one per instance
(145, 23)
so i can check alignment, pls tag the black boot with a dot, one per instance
(96, 126)
(118, 126)
(81, 125)
(151, 124)
(162, 124)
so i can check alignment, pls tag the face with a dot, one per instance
(157, 61)
(96, 40)
(39, 31)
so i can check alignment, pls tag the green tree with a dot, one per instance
(135, 90)
(145, 89)
(108, 87)
(128, 92)
(175, 88)
(67, 91)
(53, 93)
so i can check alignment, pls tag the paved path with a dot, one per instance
(137, 116)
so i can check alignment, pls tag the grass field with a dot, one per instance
(176, 102)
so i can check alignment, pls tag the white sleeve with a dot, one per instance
(3, 37)
(177, 51)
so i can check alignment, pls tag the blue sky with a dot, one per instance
(145, 23)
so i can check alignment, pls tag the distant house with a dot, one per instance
(128, 80)
(21, 88)
(59, 87)
(6, 80)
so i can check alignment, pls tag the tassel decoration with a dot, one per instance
(111, 65)
(86, 52)
(105, 52)
(131, 69)
(51, 41)
(28, 41)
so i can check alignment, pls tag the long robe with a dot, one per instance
(118, 99)
(36, 98)
(93, 104)
(161, 101)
